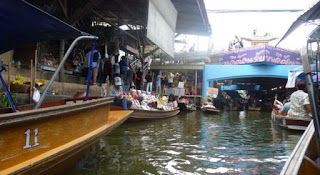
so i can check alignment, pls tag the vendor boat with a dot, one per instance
(291, 123)
(213, 110)
(254, 108)
(42, 138)
(141, 114)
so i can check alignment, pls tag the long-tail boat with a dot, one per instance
(38, 141)
(41, 138)
(292, 123)
(254, 108)
(140, 114)
(213, 110)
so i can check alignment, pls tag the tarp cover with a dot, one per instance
(298, 73)
(22, 23)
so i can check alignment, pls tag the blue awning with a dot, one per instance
(22, 23)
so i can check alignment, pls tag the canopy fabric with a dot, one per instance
(298, 73)
(22, 23)
(312, 14)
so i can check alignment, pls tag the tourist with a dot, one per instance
(139, 79)
(116, 91)
(277, 104)
(170, 79)
(300, 105)
(149, 82)
(95, 65)
(123, 68)
(116, 68)
(129, 76)
(158, 83)
(286, 106)
(108, 69)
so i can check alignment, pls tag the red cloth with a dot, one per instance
(108, 68)
(149, 78)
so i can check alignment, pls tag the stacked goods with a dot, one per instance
(144, 101)
(18, 80)
(18, 85)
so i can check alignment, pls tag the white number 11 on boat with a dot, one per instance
(35, 139)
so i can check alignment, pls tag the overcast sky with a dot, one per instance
(226, 25)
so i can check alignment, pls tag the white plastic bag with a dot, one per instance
(36, 95)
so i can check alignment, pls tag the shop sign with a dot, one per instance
(261, 54)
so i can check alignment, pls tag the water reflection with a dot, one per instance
(192, 143)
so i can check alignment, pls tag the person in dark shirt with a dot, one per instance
(123, 68)
(149, 82)
(108, 69)
(139, 79)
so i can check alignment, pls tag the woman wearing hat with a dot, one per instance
(116, 91)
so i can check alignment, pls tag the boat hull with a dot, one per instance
(302, 158)
(211, 110)
(147, 115)
(35, 141)
(299, 124)
(254, 108)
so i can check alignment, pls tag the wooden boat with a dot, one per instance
(211, 110)
(292, 123)
(304, 156)
(140, 114)
(254, 108)
(42, 138)
(36, 141)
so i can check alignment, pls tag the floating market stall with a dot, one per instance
(146, 106)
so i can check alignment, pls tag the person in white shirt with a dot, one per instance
(170, 79)
(172, 102)
(116, 91)
(300, 105)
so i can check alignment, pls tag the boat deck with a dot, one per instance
(115, 119)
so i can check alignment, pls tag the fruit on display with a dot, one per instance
(40, 81)
(18, 80)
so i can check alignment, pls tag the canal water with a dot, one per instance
(192, 143)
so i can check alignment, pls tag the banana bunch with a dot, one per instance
(18, 80)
